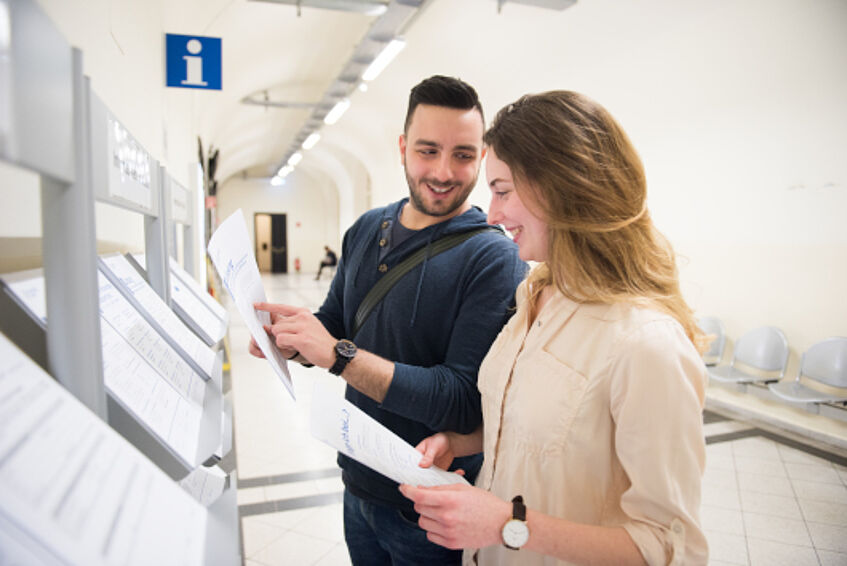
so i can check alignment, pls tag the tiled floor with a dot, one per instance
(767, 500)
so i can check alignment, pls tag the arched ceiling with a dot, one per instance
(278, 51)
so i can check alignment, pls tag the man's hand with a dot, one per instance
(296, 329)
(254, 349)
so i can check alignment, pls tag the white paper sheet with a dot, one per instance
(190, 307)
(162, 314)
(116, 311)
(208, 301)
(345, 427)
(71, 487)
(191, 301)
(204, 484)
(140, 389)
(32, 292)
(232, 256)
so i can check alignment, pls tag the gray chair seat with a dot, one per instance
(824, 363)
(763, 349)
(798, 393)
(730, 374)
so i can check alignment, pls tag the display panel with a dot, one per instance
(145, 299)
(73, 489)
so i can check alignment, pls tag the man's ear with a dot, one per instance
(402, 144)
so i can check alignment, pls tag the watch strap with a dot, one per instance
(518, 508)
(339, 365)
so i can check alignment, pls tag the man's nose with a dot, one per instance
(443, 171)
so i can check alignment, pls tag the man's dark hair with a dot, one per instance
(448, 92)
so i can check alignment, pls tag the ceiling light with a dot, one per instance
(277, 181)
(310, 142)
(382, 60)
(295, 159)
(363, 87)
(284, 171)
(337, 111)
(367, 7)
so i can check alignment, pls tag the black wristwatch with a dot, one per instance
(345, 350)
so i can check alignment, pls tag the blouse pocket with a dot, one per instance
(543, 400)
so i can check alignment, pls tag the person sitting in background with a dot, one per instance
(329, 260)
(592, 394)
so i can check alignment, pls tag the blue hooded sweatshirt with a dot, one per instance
(436, 324)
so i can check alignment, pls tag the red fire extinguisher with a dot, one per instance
(297, 264)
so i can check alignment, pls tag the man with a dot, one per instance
(329, 260)
(415, 360)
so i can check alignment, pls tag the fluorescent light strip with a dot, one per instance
(337, 111)
(284, 171)
(295, 159)
(311, 140)
(382, 60)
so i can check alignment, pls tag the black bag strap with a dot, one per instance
(378, 291)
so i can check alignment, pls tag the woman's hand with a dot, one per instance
(459, 516)
(436, 450)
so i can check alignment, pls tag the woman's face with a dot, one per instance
(528, 231)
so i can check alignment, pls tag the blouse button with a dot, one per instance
(382, 243)
(384, 224)
(382, 268)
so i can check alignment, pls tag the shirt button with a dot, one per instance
(382, 268)
(382, 243)
(384, 224)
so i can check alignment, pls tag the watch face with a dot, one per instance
(515, 533)
(345, 348)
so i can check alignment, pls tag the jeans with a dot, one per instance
(378, 535)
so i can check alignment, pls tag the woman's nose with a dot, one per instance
(494, 214)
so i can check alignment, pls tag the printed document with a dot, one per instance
(351, 431)
(232, 255)
(72, 490)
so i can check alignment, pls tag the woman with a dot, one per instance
(592, 394)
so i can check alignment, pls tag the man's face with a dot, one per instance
(441, 154)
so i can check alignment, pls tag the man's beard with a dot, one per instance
(458, 197)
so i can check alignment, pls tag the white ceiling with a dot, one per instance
(267, 46)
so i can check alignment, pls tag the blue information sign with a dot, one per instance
(193, 61)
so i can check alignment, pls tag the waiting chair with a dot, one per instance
(824, 363)
(713, 326)
(764, 349)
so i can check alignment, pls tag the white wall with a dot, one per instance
(737, 109)
(123, 56)
(309, 202)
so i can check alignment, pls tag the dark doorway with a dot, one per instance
(271, 242)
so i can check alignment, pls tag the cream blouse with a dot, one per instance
(594, 416)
